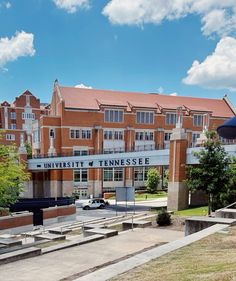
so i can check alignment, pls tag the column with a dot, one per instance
(178, 194)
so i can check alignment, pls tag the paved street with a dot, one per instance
(119, 209)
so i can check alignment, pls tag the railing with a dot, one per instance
(226, 207)
(140, 148)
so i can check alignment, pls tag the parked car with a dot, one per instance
(94, 204)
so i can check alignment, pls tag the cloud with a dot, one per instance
(217, 16)
(160, 90)
(83, 86)
(174, 94)
(20, 45)
(71, 6)
(8, 5)
(218, 70)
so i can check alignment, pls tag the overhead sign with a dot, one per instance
(140, 161)
(131, 159)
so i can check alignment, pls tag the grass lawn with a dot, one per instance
(210, 259)
(199, 211)
(147, 196)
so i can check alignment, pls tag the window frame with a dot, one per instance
(144, 117)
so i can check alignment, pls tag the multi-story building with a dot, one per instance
(16, 119)
(89, 121)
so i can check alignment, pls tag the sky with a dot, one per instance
(177, 47)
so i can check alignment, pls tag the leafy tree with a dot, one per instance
(153, 179)
(213, 173)
(227, 196)
(166, 179)
(28, 149)
(12, 176)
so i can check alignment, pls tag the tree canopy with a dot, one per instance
(153, 179)
(12, 176)
(213, 174)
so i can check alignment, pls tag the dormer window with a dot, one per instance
(198, 120)
(171, 118)
(114, 115)
(144, 117)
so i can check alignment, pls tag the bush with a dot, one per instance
(163, 218)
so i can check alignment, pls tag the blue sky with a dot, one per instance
(141, 45)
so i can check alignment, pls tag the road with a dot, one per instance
(119, 209)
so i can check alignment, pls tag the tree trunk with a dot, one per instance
(209, 204)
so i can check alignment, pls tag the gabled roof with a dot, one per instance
(92, 99)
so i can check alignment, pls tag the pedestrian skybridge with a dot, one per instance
(114, 160)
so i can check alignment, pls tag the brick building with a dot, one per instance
(16, 119)
(89, 121)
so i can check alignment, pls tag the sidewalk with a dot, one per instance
(69, 263)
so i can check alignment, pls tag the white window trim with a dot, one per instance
(145, 111)
(10, 137)
(80, 182)
(114, 109)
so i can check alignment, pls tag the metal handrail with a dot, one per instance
(230, 205)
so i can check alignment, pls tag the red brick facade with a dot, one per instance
(17, 118)
(96, 121)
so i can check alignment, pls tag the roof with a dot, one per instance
(92, 99)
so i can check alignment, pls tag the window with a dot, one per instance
(28, 116)
(107, 135)
(140, 173)
(144, 117)
(118, 174)
(112, 115)
(118, 135)
(195, 136)
(108, 174)
(80, 152)
(27, 99)
(139, 136)
(52, 133)
(83, 134)
(13, 126)
(74, 134)
(144, 135)
(81, 175)
(167, 136)
(198, 120)
(36, 136)
(10, 137)
(113, 174)
(13, 115)
(113, 135)
(171, 118)
(86, 134)
(149, 136)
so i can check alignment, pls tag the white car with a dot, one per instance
(94, 204)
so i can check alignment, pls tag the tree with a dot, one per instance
(12, 176)
(28, 149)
(153, 179)
(213, 173)
(166, 179)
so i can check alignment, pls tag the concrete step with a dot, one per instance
(226, 213)
(195, 224)
(19, 255)
(50, 236)
(75, 242)
(101, 231)
(136, 223)
(10, 242)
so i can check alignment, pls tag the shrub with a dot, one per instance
(163, 218)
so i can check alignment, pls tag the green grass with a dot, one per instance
(199, 211)
(210, 259)
(147, 196)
